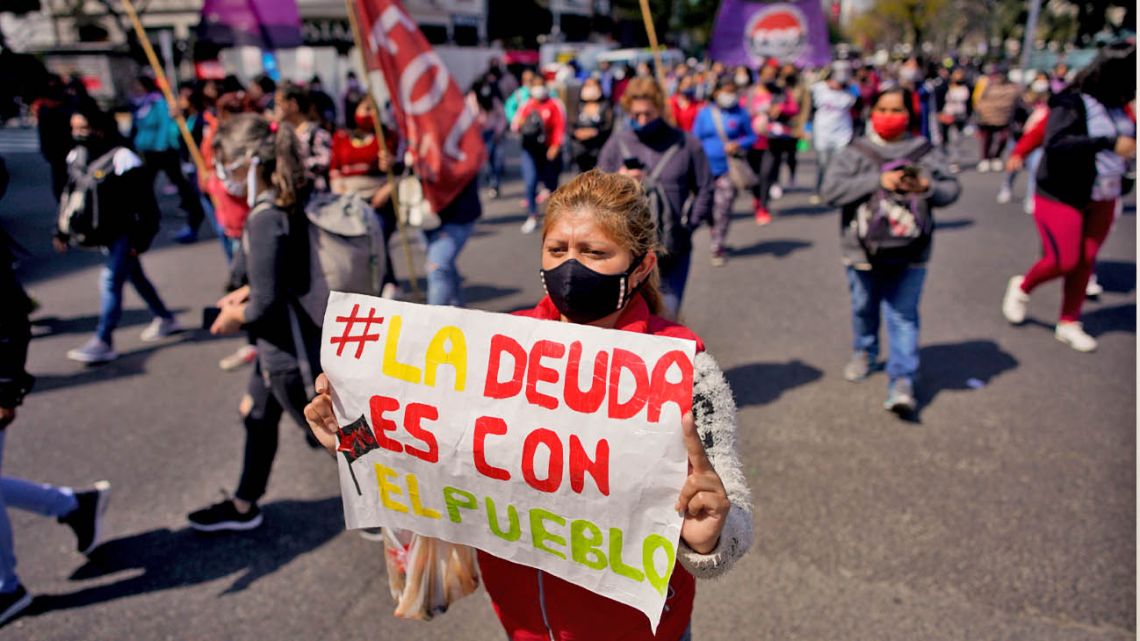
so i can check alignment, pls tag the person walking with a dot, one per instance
(293, 105)
(1089, 140)
(684, 105)
(952, 101)
(725, 131)
(1032, 110)
(832, 128)
(274, 264)
(888, 180)
(541, 123)
(994, 106)
(484, 100)
(609, 215)
(108, 203)
(758, 103)
(666, 158)
(593, 126)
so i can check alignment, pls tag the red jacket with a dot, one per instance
(535, 606)
(553, 118)
(685, 115)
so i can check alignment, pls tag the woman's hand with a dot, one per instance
(319, 414)
(891, 180)
(380, 198)
(1014, 163)
(236, 297)
(230, 319)
(1125, 147)
(703, 498)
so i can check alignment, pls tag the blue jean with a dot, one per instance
(897, 294)
(674, 275)
(534, 169)
(47, 500)
(120, 267)
(443, 247)
(493, 170)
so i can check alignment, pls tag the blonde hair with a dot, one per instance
(618, 205)
(642, 88)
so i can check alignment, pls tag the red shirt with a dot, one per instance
(352, 156)
(574, 613)
(553, 118)
(684, 116)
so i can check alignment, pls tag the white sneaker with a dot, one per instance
(160, 328)
(1093, 289)
(1073, 334)
(775, 192)
(530, 225)
(1028, 206)
(391, 291)
(1016, 302)
(984, 167)
(1004, 195)
(93, 351)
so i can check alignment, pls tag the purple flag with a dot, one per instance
(267, 24)
(748, 33)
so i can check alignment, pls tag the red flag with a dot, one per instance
(431, 112)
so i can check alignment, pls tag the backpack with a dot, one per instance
(894, 229)
(533, 132)
(346, 250)
(660, 208)
(80, 217)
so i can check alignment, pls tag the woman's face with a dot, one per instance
(891, 103)
(577, 235)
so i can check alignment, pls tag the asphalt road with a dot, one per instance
(1006, 512)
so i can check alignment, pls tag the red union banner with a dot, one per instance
(430, 109)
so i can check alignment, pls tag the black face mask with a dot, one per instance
(584, 295)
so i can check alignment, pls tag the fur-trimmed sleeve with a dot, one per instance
(714, 411)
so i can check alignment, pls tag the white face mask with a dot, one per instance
(251, 182)
(538, 93)
(742, 80)
(591, 93)
(1040, 86)
(727, 100)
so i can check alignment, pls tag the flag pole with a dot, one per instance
(379, 130)
(164, 84)
(651, 30)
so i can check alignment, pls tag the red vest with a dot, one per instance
(573, 613)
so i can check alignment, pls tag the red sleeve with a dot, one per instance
(521, 114)
(1031, 139)
(557, 125)
(336, 157)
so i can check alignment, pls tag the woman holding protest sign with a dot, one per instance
(599, 244)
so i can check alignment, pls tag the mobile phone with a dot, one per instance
(911, 171)
(209, 315)
(633, 163)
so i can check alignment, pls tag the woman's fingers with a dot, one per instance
(697, 457)
(322, 384)
(695, 484)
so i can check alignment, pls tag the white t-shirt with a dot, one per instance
(831, 125)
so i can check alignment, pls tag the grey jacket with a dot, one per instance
(852, 178)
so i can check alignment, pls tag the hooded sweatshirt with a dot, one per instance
(852, 178)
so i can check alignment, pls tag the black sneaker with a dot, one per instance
(13, 603)
(86, 520)
(900, 398)
(224, 516)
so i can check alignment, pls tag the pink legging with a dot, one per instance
(1070, 239)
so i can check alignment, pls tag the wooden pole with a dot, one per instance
(652, 32)
(379, 130)
(164, 84)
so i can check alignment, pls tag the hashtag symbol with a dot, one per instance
(350, 323)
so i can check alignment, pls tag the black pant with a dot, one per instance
(783, 150)
(170, 163)
(272, 396)
(762, 162)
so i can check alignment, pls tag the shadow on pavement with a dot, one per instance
(1119, 318)
(132, 363)
(1116, 276)
(957, 223)
(777, 248)
(763, 383)
(47, 326)
(174, 559)
(950, 366)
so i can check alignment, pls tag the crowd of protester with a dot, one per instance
(653, 157)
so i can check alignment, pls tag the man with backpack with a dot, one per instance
(541, 124)
(676, 176)
(887, 184)
(108, 203)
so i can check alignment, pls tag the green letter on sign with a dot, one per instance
(649, 548)
(616, 564)
(539, 534)
(585, 539)
(452, 496)
(513, 530)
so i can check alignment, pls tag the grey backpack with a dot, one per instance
(346, 250)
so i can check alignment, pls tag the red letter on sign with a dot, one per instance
(494, 388)
(553, 478)
(378, 405)
(589, 401)
(538, 373)
(661, 391)
(414, 413)
(632, 363)
(599, 468)
(485, 425)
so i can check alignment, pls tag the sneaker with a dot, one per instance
(530, 225)
(492, 193)
(93, 351)
(160, 328)
(86, 520)
(372, 534)
(391, 291)
(1028, 206)
(13, 603)
(955, 168)
(1016, 301)
(185, 236)
(245, 355)
(984, 167)
(900, 398)
(224, 516)
(1073, 334)
(1093, 289)
(775, 192)
(815, 199)
(859, 367)
(1004, 195)
(763, 216)
(718, 258)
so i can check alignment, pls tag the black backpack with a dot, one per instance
(533, 132)
(894, 229)
(80, 216)
(669, 223)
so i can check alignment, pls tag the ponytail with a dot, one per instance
(288, 175)
(278, 159)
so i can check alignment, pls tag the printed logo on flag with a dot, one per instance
(777, 32)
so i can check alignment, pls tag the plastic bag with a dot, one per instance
(427, 575)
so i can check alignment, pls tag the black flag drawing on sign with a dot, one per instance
(356, 440)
